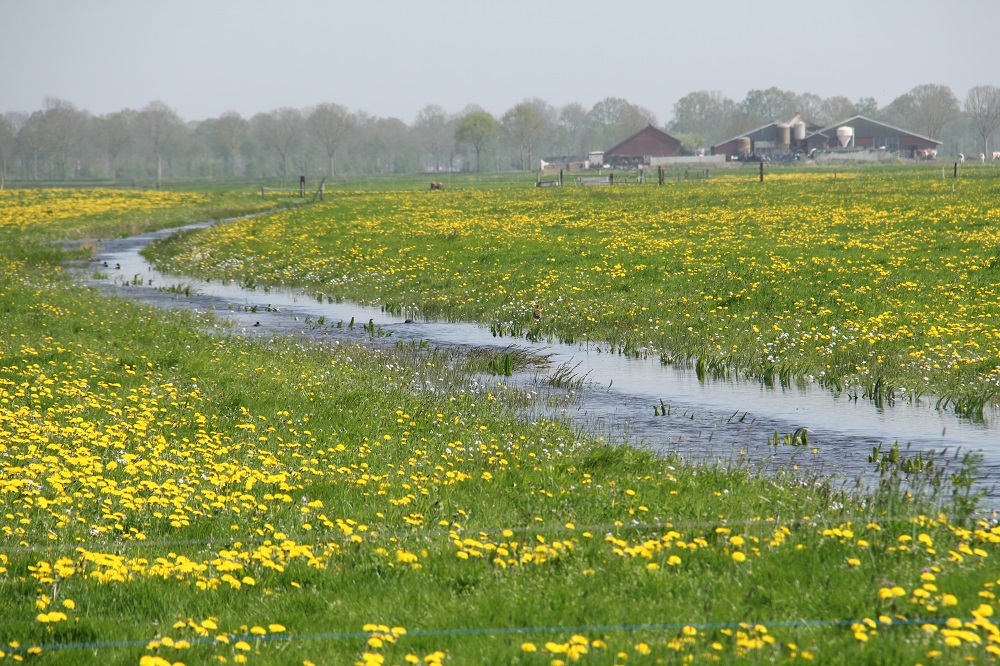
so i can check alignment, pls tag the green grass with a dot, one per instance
(160, 473)
(882, 281)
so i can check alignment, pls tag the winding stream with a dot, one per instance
(705, 419)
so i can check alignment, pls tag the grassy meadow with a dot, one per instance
(171, 492)
(882, 280)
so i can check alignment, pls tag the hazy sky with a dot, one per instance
(393, 57)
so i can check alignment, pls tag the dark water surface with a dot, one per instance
(707, 419)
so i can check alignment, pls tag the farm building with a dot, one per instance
(797, 136)
(860, 132)
(775, 138)
(641, 147)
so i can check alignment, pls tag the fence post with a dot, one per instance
(302, 186)
(762, 171)
(956, 169)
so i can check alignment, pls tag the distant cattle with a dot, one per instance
(437, 186)
(996, 154)
(961, 158)
(982, 158)
(926, 154)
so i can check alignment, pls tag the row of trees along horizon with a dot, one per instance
(61, 142)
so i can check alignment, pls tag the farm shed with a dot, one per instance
(639, 148)
(775, 138)
(859, 132)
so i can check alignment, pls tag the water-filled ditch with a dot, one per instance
(663, 407)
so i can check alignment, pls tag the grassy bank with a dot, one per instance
(170, 492)
(885, 280)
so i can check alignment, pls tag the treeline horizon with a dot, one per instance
(60, 142)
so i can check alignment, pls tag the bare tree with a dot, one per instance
(63, 128)
(934, 106)
(8, 143)
(331, 123)
(982, 103)
(114, 133)
(574, 119)
(524, 123)
(432, 128)
(384, 145)
(280, 131)
(834, 109)
(31, 141)
(159, 125)
(809, 105)
(633, 118)
(227, 135)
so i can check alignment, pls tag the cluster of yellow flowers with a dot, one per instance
(855, 278)
(118, 476)
(55, 210)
